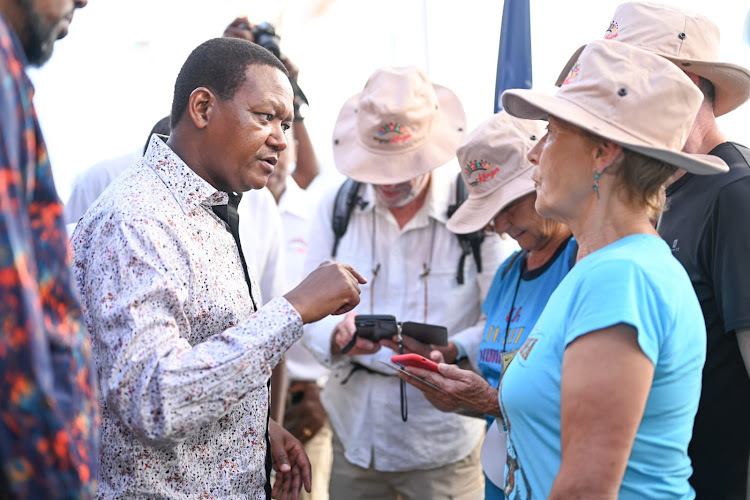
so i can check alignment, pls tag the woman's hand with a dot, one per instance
(449, 352)
(462, 389)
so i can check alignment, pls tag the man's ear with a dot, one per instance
(695, 78)
(200, 106)
(605, 153)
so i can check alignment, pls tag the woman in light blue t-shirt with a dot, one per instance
(501, 193)
(599, 402)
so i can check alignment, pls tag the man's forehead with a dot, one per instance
(261, 71)
(267, 83)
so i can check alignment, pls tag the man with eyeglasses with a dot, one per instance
(391, 138)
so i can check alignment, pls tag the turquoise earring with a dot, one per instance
(596, 184)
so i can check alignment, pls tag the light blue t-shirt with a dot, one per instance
(520, 315)
(517, 316)
(635, 281)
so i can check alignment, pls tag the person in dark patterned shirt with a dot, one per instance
(49, 417)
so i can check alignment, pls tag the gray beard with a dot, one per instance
(40, 38)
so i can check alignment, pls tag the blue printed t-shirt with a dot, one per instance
(635, 281)
(519, 316)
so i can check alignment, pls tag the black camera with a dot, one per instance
(376, 327)
(265, 36)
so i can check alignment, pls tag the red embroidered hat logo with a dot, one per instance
(483, 169)
(392, 133)
(572, 75)
(611, 32)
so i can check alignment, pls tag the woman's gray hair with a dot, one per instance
(642, 179)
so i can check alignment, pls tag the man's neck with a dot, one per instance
(676, 177)
(278, 190)
(15, 17)
(186, 148)
(705, 135)
(404, 214)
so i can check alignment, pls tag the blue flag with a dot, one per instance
(514, 57)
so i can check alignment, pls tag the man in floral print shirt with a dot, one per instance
(182, 351)
(48, 411)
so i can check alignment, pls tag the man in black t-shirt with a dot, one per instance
(705, 225)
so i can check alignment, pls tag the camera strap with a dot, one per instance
(402, 385)
(357, 367)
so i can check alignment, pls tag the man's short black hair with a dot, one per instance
(708, 89)
(218, 64)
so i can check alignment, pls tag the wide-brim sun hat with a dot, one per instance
(399, 127)
(688, 39)
(495, 168)
(629, 96)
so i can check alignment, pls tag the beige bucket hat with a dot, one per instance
(689, 40)
(495, 169)
(628, 96)
(399, 127)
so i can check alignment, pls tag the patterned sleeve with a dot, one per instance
(162, 387)
(49, 416)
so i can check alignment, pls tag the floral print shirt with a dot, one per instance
(183, 360)
(48, 410)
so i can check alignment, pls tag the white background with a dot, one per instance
(112, 77)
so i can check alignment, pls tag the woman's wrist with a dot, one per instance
(492, 402)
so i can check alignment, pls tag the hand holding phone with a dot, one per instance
(402, 369)
(416, 361)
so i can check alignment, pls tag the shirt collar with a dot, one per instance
(189, 189)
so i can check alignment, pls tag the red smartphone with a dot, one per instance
(416, 361)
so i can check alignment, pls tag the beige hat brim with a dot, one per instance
(533, 105)
(476, 212)
(356, 160)
(732, 82)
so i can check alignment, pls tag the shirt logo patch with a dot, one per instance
(296, 245)
(527, 347)
(675, 248)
